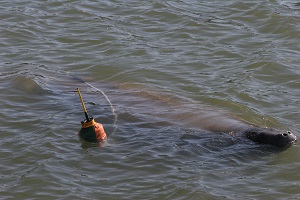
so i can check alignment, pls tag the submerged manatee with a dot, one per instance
(173, 110)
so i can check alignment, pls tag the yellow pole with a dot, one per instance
(83, 106)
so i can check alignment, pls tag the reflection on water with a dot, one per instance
(149, 58)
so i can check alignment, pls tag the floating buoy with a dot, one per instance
(90, 131)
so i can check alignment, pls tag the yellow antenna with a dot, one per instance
(83, 106)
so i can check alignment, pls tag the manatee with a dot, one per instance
(188, 116)
(166, 107)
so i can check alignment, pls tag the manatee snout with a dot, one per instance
(289, 135)
(286, 138)
(271, 136)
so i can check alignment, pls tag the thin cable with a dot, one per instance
(110, 104)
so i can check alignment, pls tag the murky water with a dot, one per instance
(147, 57)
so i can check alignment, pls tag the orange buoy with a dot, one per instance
(90, 131)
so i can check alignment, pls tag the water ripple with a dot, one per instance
(149, 57)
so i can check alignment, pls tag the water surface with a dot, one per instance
(147, 56)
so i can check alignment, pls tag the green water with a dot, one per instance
(147, 56)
